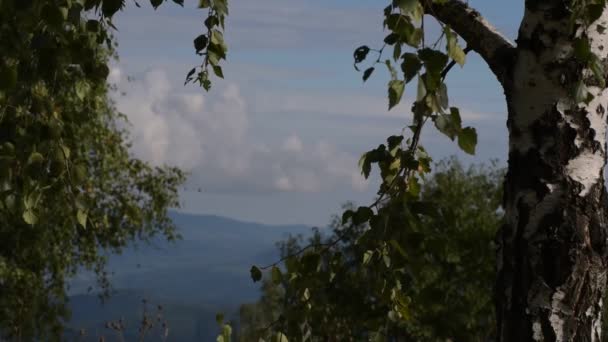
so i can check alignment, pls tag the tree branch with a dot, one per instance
(478, 33)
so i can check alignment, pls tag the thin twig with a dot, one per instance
(412, 148)
(453, 62)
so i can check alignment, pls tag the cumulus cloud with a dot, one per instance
(208, 136)
(293, 144)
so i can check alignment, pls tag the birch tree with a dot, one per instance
(551, 252)
(552, 249)
(70, 190)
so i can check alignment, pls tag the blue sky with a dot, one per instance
(278, 140)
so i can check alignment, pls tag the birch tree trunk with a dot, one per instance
(552, 256)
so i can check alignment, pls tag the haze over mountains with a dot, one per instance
(204, 273)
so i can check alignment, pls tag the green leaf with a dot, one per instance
(434, 61)
(81, 89)
(81, 217)
(217, 44)
(421, 90)
(218, 51)
(256, 274)
(217, 70)
(79, 173)
(387, 260)
(365, 165)
(65, 151)
(402, 26)
(30, 217)
(227, 332)
(443, 125)
(214, 58)
(454, 50)
(102, 71)
(189, 75)
(221, 6)
(395, 92)
(394, 141)
(211, 21)
(277, 276)
(582, 49)
(432, 81)
(367, 257)
(411, 66)
(396, 52)
(217, 37)
(455, 114)
(92, 25)
(219, 318)
(360, 54)
(449, 124)
(407, 5)
(280, 337)
(110, 7)
(398, 248)
(362, 215)
(413, 186)
(156, 3)
(397, 22)
(467, 140)
(367, 73)
(35, 158)
(306, 295)
(347, 215)
(432, 102)
(391, 70)
(391, 39)
(200, 43)
(29, 201)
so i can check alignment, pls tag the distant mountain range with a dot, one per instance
(204, 273)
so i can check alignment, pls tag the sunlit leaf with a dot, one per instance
(395, 92)
(467, 140)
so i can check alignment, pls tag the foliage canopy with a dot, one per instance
(70, 191)
(445, 267)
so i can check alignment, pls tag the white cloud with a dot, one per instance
(345, 103)
(208, 136)
(293, 144)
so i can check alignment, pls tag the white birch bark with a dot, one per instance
(552, 257)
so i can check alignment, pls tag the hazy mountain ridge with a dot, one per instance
(205, 272)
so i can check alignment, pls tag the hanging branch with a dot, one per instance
(481, 36)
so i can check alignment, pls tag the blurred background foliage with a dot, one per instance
(448, 269)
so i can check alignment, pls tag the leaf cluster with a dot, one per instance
(432, 280)
(70, 191)
(210, 45)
